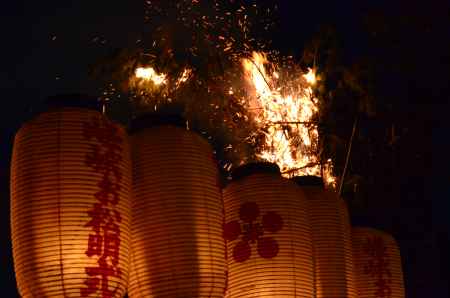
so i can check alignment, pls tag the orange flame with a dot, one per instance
(310, 77)
(184, 77)
(285, 109)
(150, 75)
(329, 179)
(158, 86)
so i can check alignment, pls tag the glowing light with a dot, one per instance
(329, 179)
(285, 109)
(310, 76)
(149, 74)
(184, 77)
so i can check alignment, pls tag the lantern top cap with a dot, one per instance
(308, 181)
(156, 119)
(73, 100)
(254, 168)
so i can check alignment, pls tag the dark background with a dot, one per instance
(48, 46)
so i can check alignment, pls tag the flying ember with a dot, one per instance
(284, 107)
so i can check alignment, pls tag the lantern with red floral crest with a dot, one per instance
(378, 265)
(331, 237)
(70, 203)
(269, 250)
(177, 215)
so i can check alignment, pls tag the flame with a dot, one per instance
(150, 86)
(282, 104)
(184, 77)
(150, 75)
(285, 109)
(310, 77)
(330, 180)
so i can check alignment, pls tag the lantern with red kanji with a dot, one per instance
(378, 265)
(70, 203)
(331, 235)
(269, 249)
(177, 215)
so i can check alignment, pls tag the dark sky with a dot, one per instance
(47, 47)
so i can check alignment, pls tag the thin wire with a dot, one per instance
(348, 156)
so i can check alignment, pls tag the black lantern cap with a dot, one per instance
(156, 119)
(74, 100)
(253, 168)
(308, 181)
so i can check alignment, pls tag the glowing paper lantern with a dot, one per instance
(70, 205)
(378, 265)
(177, 244)
(331, 236)
(269, 250)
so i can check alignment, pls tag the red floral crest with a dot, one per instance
(253, 231)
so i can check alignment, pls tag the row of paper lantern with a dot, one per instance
(89, 222)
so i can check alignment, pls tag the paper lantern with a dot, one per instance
(177, 244)
(269, 249)
(331, 236)
(70, 205)
(378, 267)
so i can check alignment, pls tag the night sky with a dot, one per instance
(48, 47)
